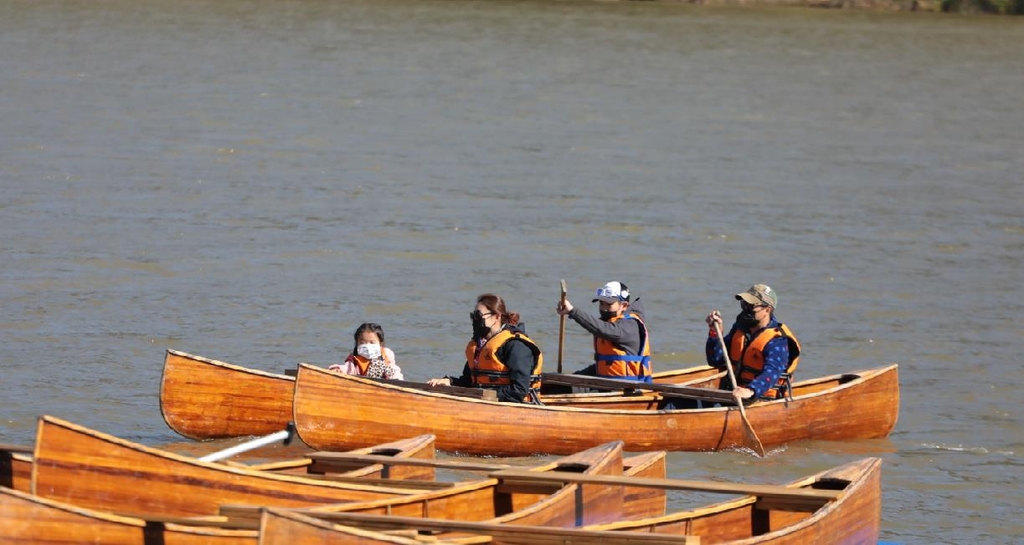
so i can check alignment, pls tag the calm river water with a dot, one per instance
(249, 180)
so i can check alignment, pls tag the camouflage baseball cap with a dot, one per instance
(759, 294)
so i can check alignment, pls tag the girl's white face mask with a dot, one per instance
(368, 351)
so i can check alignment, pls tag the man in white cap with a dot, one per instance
(764, 350)
(622, 348)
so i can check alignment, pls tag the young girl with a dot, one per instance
(370, 358)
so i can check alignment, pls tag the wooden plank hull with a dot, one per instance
(643, 502)
(859, 405)
(83, 467)
(202, 398)
(852, 517)
(28, 520)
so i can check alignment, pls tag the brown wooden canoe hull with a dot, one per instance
(83, 467)
(202, 398)
(644, 502)
(28, 520)
(861, 405)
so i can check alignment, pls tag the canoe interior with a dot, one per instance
(855, 516)
(513, 503)
(852, 516)
(16, 470)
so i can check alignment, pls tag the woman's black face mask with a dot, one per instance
(480, 329)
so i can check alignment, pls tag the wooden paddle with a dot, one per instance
(751, 434)
(561, 329)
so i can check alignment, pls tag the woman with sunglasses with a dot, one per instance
(369, 357)
(499, 356)
(764, 350)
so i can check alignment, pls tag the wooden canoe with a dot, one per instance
(84, 467)
(860, 405)
(203, 398)
(31, 520)
(846, 509)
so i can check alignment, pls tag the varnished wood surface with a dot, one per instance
(642, 502)
(853, 516)
(26, 519)
(504, 500)
(861, 405)
(201, 398)
(16, 469)
(84, 467)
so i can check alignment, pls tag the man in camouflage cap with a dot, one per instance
(763, 350)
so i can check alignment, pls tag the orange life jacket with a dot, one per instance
(614, 362)
(750, 357)
(361, 363)
(488, 371)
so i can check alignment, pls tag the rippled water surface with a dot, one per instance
(250, 180)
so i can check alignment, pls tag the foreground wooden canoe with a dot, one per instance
(31, 520)
(851, 514)
(861, 405)
(203, 398)
(84, 467)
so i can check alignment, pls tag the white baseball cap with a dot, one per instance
(612, 292)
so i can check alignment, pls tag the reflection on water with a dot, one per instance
(249, 181)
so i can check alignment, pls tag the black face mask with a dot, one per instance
(480, 329)
(607, 315)
(746, 319)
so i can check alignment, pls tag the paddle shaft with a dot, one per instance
(283, 435)
(739, 402)
(561, 329)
